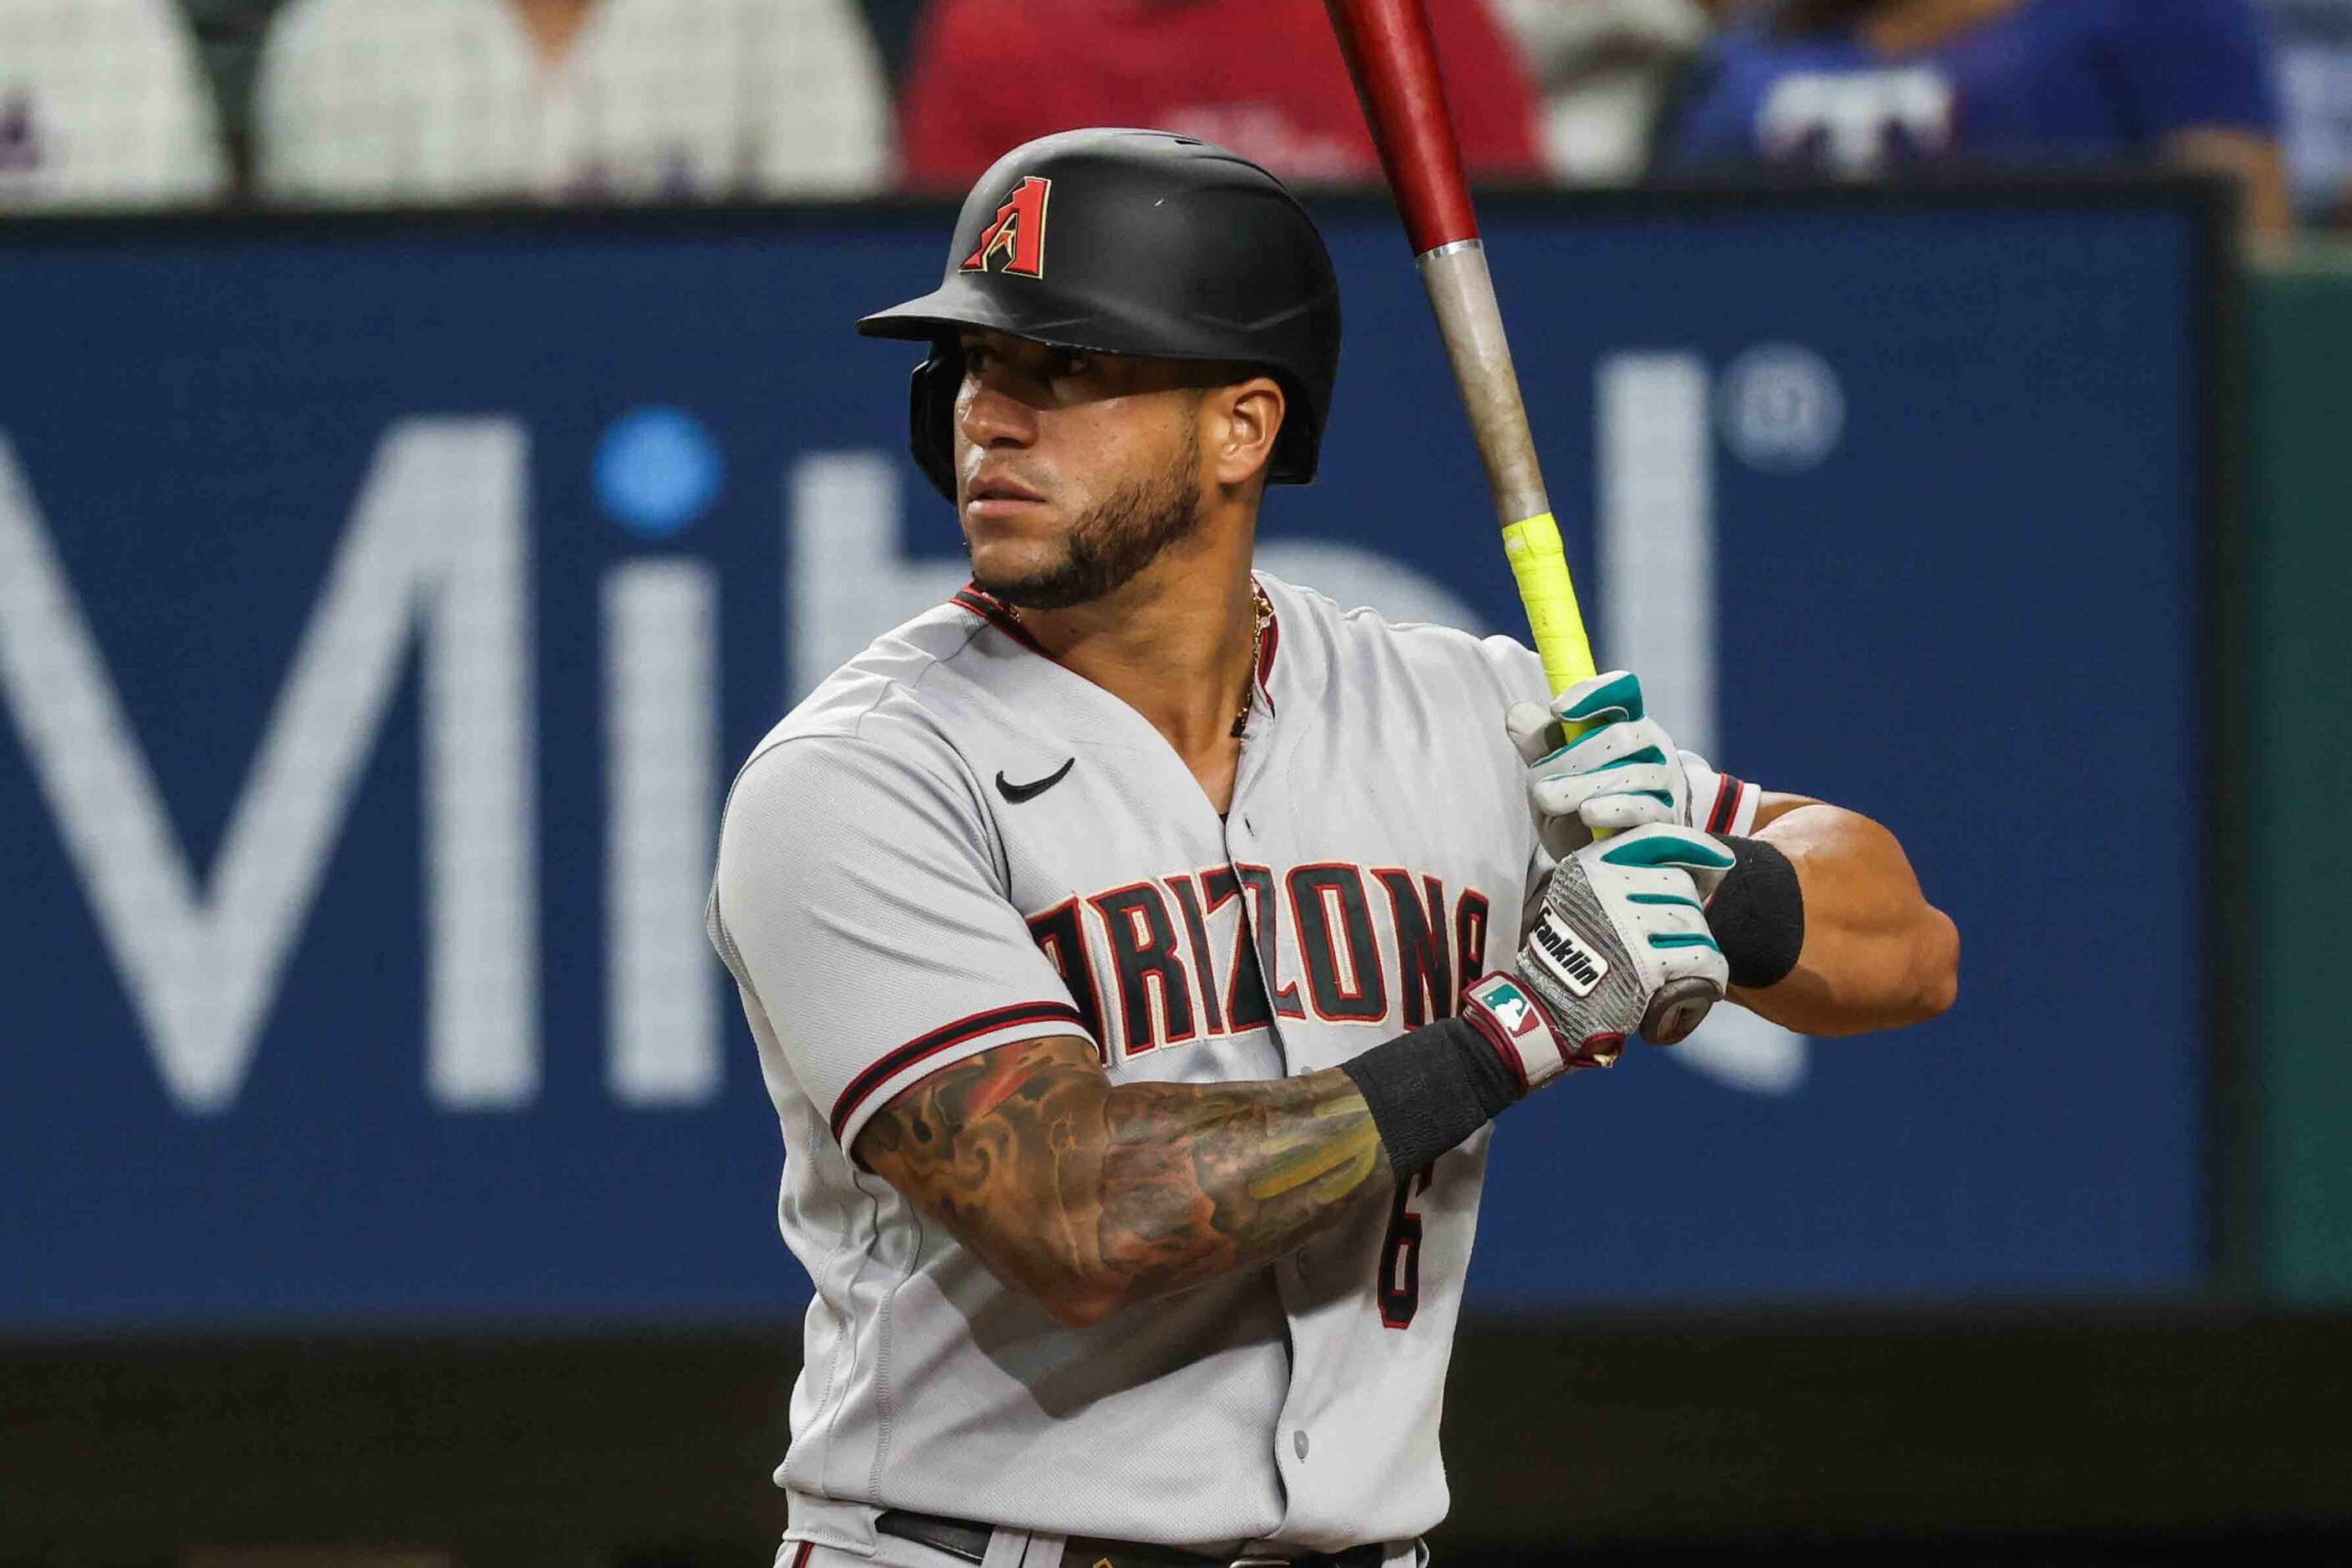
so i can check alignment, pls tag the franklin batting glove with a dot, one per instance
(1621, 945)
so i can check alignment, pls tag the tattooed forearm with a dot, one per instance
(1088, 1195)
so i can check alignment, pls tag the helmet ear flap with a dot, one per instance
(930, 415)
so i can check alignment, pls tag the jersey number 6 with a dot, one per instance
(1401, 1256)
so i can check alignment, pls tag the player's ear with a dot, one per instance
(1249, 415)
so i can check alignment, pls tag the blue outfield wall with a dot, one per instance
(383, 608)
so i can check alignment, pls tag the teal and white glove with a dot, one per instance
(1621, 944)
(1596, 760)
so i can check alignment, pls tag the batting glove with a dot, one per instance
(1597, 761)
(1622, 944)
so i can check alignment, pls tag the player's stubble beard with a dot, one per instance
(1117, 538)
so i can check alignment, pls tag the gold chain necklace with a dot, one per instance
(1264, 618)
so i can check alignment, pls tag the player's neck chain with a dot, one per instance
(1264, 618)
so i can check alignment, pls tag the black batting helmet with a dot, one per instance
(1131, 242)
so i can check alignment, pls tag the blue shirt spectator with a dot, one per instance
(1862, 87)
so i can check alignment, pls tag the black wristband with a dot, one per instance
(1432, 1088)
(1758, 915)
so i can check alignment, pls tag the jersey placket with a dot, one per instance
(1254, 822)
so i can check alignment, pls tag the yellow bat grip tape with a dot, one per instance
(1540, 565)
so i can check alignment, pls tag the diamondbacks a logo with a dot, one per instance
(1018, 234)
(1569, 956)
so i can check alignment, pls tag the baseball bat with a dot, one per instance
(1393, 60)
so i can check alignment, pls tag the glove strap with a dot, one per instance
(1523, 1034)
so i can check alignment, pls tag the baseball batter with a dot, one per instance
(1139, 948)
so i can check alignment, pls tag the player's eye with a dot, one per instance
(1068, 363)
(975, 357)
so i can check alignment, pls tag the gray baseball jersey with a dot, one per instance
(956, 843)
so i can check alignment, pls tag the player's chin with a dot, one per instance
(1013, 550)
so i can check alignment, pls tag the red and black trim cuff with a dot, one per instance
(946, 1038)
(1729, 793)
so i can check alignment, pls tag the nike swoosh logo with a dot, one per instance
(1016, 793)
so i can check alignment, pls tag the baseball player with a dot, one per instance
(1139, 947)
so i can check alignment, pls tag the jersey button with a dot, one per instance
(1298, 1442)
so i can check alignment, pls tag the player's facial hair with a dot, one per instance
(1121, 535)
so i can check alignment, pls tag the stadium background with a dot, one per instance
(385, 594)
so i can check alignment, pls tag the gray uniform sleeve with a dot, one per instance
(859, 903)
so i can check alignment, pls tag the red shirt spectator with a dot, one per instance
(1261, 77)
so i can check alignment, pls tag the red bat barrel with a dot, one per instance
(1394, 59)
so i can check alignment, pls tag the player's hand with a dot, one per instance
(1621, 945)
(1597, 760)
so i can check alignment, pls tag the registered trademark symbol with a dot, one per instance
(1781, 408)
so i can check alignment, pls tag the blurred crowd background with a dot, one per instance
(133, 102)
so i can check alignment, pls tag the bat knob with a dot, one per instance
(1680, 1006)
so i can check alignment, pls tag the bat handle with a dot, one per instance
(1469, 320)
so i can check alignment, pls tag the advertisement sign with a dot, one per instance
(385, 604)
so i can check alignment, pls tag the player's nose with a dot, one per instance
(991, 415)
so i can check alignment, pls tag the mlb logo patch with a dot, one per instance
(1501, 995)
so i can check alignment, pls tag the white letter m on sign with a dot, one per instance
(436, 539)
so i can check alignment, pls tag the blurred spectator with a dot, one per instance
(640, 99)
(1855, 86)
(229, 33)
(1605, 68)
(2313, 44)
(103, 103)
(894, 23)
(1261, 77)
